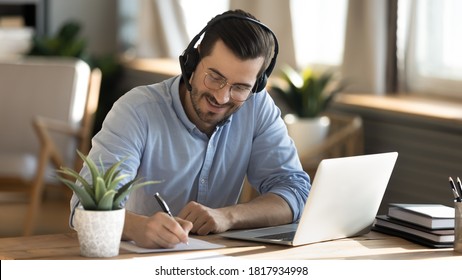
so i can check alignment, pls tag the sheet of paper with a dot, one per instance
(194, 244)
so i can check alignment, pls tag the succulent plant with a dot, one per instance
(102, 193)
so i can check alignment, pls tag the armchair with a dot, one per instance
(47, 107)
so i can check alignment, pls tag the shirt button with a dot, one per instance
(202, 181)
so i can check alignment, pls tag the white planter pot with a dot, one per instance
(307, 133)
(99, 232)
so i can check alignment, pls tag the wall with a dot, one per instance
(98, 19)
(426, 134)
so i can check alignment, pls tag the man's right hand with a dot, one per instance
(158, 231)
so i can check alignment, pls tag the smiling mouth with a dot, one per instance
(214, 105)
(212, 101)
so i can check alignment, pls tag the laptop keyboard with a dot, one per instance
(283, 236)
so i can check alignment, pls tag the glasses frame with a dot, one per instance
(223, 83)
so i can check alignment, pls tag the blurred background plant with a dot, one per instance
(307, 93)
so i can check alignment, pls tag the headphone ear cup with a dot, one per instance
(191, 60)
(188, 62)
(261, 83)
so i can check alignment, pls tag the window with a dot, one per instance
(127, 12)
(191, 10)
(429, 46)
(318, 26)
(319, 31)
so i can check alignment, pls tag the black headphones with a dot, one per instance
(190, 57)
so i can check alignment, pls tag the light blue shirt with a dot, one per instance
(149, 124)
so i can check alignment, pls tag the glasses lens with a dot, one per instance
(237, 92)
(214, 82)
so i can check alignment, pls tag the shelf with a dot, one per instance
(32, 12)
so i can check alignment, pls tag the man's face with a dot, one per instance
(208, 107)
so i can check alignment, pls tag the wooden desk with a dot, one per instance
(373, 245)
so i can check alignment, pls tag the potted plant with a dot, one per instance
(308, 95)
(100, 219)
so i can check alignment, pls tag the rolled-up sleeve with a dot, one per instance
(274, 164)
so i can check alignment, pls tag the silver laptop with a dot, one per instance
(344, 199)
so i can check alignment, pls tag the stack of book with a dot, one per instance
(427, 224)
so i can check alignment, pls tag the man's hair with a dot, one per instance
(246, 39)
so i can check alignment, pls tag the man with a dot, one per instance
(202, 133)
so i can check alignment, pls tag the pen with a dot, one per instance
(454, 190)
(165, 208)
(163, 204)
(459, 189)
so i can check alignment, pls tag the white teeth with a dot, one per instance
(212, 102)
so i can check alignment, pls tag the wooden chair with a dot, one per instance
(50, 104)
(49, 152)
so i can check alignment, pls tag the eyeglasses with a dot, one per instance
(238, 92)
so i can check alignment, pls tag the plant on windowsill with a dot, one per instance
(100, 219)
(308, 94)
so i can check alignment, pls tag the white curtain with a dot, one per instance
(367, 51)
(276, 15)
(162, 31)
(365, 54)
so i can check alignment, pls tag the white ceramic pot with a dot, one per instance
(99, 232)
(307, 133)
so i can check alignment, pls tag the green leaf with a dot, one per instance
(75, 175)
(91, 166)
(102, 193)
(308, 94)
(123, 191)
(85, 198)
(100, 188)
(71, 173)
(113, 185)
(294, 79)
(113, 170)
(126, 189)
(68, 31)
(73, 49)
(105, 204)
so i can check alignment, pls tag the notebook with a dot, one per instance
(344, 199)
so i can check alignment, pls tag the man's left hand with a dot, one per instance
(205, 220)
